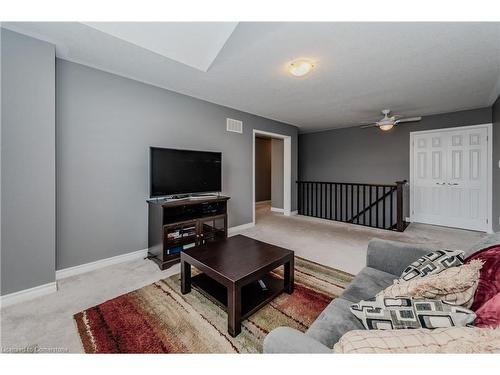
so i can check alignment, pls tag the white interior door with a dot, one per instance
(449, 181)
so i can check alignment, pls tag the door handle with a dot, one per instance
(452, 183)
(440, 183)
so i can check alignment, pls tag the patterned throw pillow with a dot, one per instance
(441, 340)
(433, 263)
(410, 312)
(455, 285)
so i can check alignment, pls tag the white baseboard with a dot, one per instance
(76, 270)
(263, 202)
(293, 213)
(234, 230)
(275, 209)
(27, 294)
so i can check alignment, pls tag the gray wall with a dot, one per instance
(277, 147)
(104, 126)
(496, 165)
(370, 155)
(262, 169)
(28, 162)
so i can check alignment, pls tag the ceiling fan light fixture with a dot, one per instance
(300, 67)
(386, 127)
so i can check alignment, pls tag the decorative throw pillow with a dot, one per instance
(441, 340)
(488, 315)
(433, 263)
(454, 285)
(410, 312)
(489, 276)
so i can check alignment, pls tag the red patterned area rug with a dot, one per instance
(159, 319)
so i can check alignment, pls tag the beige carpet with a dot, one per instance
(342, 245)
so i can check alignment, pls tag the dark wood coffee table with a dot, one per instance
(230, 272)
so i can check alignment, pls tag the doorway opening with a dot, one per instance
(271, 172)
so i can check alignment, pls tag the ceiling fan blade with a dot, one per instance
(369, 125)
(408, 119)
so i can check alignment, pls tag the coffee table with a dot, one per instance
(232, 271)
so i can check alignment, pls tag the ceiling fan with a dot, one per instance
(387, 123)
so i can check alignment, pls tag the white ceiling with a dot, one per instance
(196, 44)
(412, 68)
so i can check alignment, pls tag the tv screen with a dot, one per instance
(184, 171)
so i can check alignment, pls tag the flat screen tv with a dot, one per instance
(174, 172)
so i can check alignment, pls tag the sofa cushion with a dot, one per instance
(455, 285)
(410, 313)
(488, 315)
(289, 340)
(333, 322)
(367, 284)
(433, 263)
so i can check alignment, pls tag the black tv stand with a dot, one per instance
(208, 195)
(178, 196)
(184, 223)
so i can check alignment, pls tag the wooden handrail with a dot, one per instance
(348, 183)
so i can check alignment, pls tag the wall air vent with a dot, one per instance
(234, 126)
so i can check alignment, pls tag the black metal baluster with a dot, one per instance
(341, 202)
(308, 200)
(364, 204)
(311, 199)
(336, 202)
(346, 204)
(391, 207)
(357, 204)
(339, 210)
(299, 193)
(304, 189)
(302, 198)
(370, 203)
(352, 202)
(321, 200)
(316, 211)
(331, 201)
(383, 208)
(376, 207)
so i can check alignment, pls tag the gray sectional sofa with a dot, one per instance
(385, 262)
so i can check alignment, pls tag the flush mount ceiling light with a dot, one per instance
(300, 67)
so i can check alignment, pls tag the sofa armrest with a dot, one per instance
(392, 256)
(289, 340)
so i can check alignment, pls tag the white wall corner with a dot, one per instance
(235, 230)
(28, 294)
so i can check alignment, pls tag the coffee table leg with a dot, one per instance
(185, 277)
(289, 276)
(234, 310)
